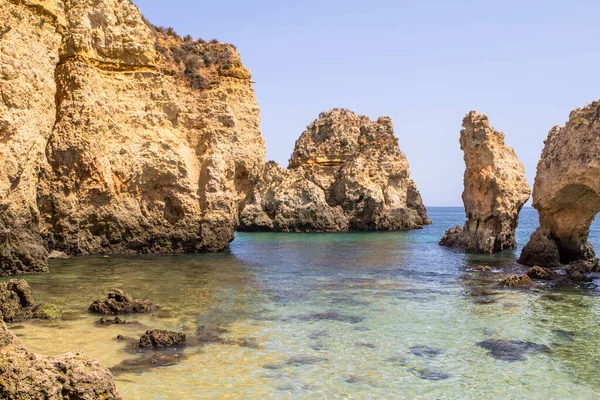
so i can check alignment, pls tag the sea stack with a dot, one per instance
(495, 190)
(346, 173)
(567, 191)
(117, 136)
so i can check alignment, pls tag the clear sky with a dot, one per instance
(526, 64)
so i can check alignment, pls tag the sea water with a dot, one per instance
(317, 316)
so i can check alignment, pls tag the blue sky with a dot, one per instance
(526, 64)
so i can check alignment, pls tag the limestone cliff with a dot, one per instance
(495, 190)
(567, 191)
(117, 137)
(346, 173)
(24, 375)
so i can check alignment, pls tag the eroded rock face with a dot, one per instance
(16, 300)
(116, 137)
(24, 375)
(567, 191)
(346, 173)
(495, 190)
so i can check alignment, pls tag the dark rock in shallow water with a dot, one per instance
(111, 321)
(367, 345)
(318, 335)
(160, 339)
(541, 273)
(569, 335)
(333, 316)
(304, 360)
(511, 350)
(156, 360)
(16, 300)
(431, 374)
(426, 351)
(118, 302)
(400, 360)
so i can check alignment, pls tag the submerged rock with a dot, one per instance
(119, 302)
(516, 281)
(117, 136)
(567, 191)
(346, 173)
(24, 375)
(426, 351)
(495, 190)
(160, 339)
(16, 300)
(511, 350)
(333, 316)
(47, 311)
(146, 362)
(431, 374)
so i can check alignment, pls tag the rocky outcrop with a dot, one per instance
(117, 137)
(118, 302)
(495, 190)
(567, 191)
(516, 281)
(24, 375)
(346, 173)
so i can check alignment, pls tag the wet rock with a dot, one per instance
(119, 302)
(111, 321)
(578, 271)
(333, 316)
(160, 339)
(47, 311)
(346, 173)
(511, 350)
(58, 255)
(425, 351)
(431, 374)
(304, 360)
(482, 268)
(541, 273)
(516, 281)
(16, 300)
(24, 375)
(495, 190)
(317, 347)
(146, 362)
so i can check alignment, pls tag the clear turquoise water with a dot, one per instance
(332, 316)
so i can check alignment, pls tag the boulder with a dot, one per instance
(516, 281)
(16, 300)
(24, 375)
(118, 302)
(495, 190)
(160, 339)
(346, 173)
(541, 273)
(567, 191)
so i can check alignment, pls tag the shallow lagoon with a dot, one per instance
(360, 315)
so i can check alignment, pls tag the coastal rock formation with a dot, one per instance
(118, 302)
(346, 173)
(567, 191)
(116, 136)
(24, 375)
(495, 190)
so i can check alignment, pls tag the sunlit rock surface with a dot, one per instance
(346, 173)
(495, 190)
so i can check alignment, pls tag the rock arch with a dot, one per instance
(567, 191)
